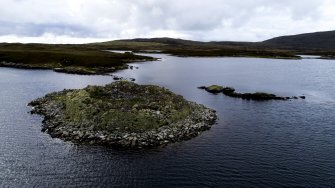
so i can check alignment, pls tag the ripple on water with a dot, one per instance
(254, 144)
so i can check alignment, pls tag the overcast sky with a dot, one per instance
(79, 21)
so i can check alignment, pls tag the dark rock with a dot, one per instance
(202, 87)
(261, 96)
(229, 91)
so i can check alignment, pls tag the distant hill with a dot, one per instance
(319, 40)
(175, 41)
(166, 40)
(308, 41)
(181, 47)
(320, 43)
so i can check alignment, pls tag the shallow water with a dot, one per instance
(254, 144)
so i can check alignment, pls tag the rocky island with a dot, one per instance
(122, 114)
(258, 96)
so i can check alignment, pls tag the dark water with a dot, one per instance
(254, 144)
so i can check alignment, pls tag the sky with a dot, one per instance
(82, 21)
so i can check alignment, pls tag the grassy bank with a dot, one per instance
(232, 53)
(65, 58)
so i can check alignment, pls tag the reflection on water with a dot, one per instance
(254, 144)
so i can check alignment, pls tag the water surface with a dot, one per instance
(254, 144)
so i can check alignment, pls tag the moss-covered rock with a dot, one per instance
(109, 114)
(214, 89)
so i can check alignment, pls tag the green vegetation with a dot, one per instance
(64, 58)
(214, 89)
(123, 106)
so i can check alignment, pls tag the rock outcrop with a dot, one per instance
(229, 91)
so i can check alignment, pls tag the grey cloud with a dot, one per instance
(194, 19)
(35, 30)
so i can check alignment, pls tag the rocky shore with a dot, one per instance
(122, 114)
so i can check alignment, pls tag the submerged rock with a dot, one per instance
(202, 87)
(122, 114)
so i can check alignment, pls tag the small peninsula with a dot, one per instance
(72, 59)
(122, 114)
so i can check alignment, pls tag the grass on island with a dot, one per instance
(122, 106)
